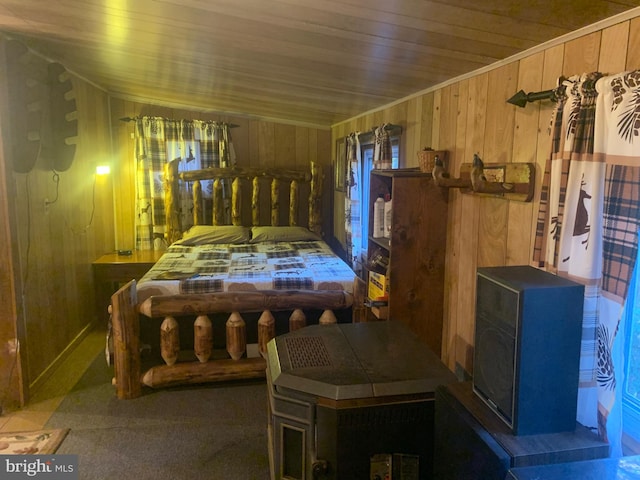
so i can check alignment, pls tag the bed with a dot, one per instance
(206, 310)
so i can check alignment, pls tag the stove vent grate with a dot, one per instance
(307, 352)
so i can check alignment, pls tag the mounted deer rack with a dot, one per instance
(513, 181)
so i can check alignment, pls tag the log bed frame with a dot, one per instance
(178, 311)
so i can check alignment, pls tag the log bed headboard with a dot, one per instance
(278, 179)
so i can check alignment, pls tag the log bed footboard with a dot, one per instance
(175, 310)
(129, 378)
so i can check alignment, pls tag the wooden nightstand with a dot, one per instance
(112, 269)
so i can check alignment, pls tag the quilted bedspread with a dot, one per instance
(304, 265)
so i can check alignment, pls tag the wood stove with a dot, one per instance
(340, 394)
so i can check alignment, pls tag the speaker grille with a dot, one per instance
(495, 369)
(497, 309)
(307, 352)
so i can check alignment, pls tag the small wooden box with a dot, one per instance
(381, 313)
(427, 159)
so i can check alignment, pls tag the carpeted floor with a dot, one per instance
(183, 433)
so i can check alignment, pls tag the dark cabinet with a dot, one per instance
(471, 442)
(341, 394)
(602, 469)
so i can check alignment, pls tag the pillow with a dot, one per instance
(282, 234)
(204, 234)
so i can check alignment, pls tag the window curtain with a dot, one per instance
(353, 203)
(198, 144)
(382, 156)
(588, 223)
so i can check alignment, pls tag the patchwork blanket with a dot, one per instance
(305, 265)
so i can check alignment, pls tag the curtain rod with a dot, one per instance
(368, 135)
(133, 119)
(388, 127)
(520, 99)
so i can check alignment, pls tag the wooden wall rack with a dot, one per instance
(512, 181)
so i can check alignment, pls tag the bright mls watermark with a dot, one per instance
(50, 467)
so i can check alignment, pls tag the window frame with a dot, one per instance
(631, 403)
(366, 157)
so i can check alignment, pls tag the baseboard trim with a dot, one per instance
(53, 366)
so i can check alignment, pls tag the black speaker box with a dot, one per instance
(527, 347)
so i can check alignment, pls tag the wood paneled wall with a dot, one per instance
(52, 248)
(472, 116)
(11, 377)
(256, 142)
(49, 253)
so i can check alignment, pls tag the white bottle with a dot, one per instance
(378, 217)
(387, 216)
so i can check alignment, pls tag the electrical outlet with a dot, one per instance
(12, 346)
(46, 206)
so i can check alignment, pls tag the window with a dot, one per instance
(631, 384)
(367, 166)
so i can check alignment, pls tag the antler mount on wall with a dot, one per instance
(513, 181)
(39, 90)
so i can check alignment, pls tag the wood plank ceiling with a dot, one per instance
(298, 61)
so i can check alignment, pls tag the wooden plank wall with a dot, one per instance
(52, 249)
(256, 143)
(472, 116)
(11, 377)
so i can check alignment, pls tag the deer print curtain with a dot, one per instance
(198, 144)
(588, 222)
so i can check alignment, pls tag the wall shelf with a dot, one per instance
(512, 181)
